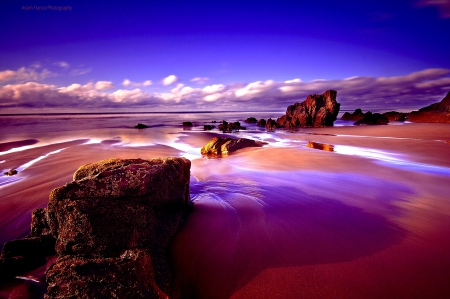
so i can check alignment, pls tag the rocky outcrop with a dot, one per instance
(355, 116)
(230, 127)
(372, 119)
(141, 126)
(261, 123)
(315, 111)
(222, 146)
(19, 256)
(251, 120)
(10, 172)
(271, 125)
(187, 124)
(435, 113)
(110, 228)
(395, 116)
(208, 127)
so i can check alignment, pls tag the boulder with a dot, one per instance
(315, 111)
(435, 113)
(372, 119)
(110, 228)
(130, 275)
(11, 172)
(230, 127)
(119, 204)
(19, 256)
(221, 146)
(187, 124)
(355, 116)
(395, 116)
(140, 126)
(251, 120)
(208, 127)
(261, 123)
(271, 125)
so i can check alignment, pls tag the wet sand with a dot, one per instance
(369, 219)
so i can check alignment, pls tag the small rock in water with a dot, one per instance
(141, 126)
(11, 172)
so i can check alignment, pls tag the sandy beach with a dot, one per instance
(367, 218)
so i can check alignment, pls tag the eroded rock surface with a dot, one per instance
(435, 113)
(318, 110)
(222, 146)
(110, 229)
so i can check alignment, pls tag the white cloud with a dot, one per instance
(62, 64)
(79, 72)
(406, 92)
(200, 80)
(104, 85)
(128, 83)
(293, 81)
(170, 80)
(24, 74)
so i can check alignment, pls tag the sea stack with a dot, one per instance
(318, 110)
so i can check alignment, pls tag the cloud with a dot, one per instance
(404, 93)
(128, 83)
(442, 5)
(170, 80)
(24, 74)
(79, 72)
(200, 80)
(104, 85)
(62, 64)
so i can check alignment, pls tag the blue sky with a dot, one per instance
(221, 55)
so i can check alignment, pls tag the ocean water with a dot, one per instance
(341, 212)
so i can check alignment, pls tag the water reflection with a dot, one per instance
(320, 146)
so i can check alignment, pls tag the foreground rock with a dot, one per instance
(315, 111)
(372, 119)
(435, 113)
(222, 146)
(10, 172)
(110, 228)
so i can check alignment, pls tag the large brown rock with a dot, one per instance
(435, 113)
(130, 275)
(113, 208)
(316, 111)
(222, 146)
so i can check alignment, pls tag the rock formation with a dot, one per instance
(187, 124)
(222, 146)
(355, 116)
(110, 228)
(140, 126)
(435, 113)
(261, 123)
(230, 127)
(372, 119)
(251, 120)
(315, 111)
(10, 172)
(395, 116)
(271, 125)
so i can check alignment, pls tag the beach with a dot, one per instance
(337, 212)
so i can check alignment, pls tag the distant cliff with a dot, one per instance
(435, 113)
